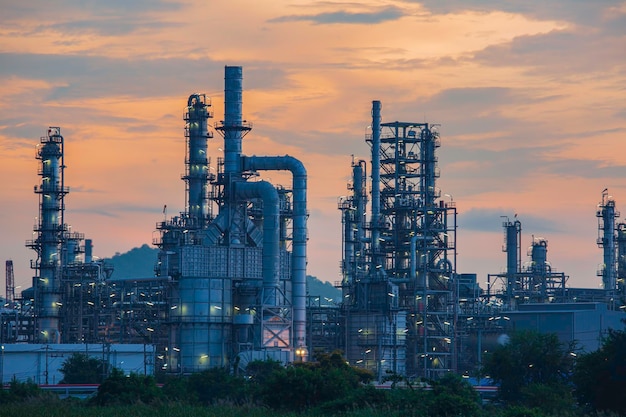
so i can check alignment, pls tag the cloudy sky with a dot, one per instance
(530, 95)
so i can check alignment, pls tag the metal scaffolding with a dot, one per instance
(399, 268)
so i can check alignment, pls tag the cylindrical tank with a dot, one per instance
(205, 318)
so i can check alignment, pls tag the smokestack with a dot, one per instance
(232, 127)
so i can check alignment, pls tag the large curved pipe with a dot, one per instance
(298, 265)
(271, 214)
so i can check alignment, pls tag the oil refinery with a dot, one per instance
(229, 286)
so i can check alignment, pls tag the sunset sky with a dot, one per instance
(530, 95)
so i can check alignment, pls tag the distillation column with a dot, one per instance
(49, 229)
(513, 249)
(353, 219)
(375, 266)
(621, 258)
(197, 162)
(606, 240)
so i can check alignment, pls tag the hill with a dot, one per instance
(140, 262)
(136, 263)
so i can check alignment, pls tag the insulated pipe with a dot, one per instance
(414, 260)
(376, 106)
(271, 229)
(360, 197)
(298, 263)
(232, 127)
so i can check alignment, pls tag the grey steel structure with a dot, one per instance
(61, 307)
(533, 282)
(399, 268)
(236, 258)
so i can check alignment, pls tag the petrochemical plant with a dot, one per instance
(230, 281)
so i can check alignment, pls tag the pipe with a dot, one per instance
(376, 107)
(298, 263)
(360, 197)
(414, 239)
(271, 262)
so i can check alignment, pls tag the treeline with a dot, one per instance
(537, 376)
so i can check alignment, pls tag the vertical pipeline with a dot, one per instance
(608, 219)
(360, 197)
(376, 107)
(271, 230)
(512, 231)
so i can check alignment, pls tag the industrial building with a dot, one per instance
(230, 282)
(229, 285)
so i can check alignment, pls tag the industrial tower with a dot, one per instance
(49, 228)
(399, 268)
(535, 281)
(238, 273)
(612, 240)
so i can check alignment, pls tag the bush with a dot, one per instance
(600, 376)
(83, 369)
(453, 396)
(217, 384)
(20, 392)
(127, 389)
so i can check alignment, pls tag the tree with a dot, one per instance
(527, 360)
(217, 384)
(453, 396)
(310, 384)
(127, 389)
(83, 369)
(600, 376)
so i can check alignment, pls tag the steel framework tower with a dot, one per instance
(534, 282)
(400, 312)
(10, 282)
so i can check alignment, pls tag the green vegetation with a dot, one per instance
(538, 377)
(600, 376)
(533, 370)
(83, 369)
